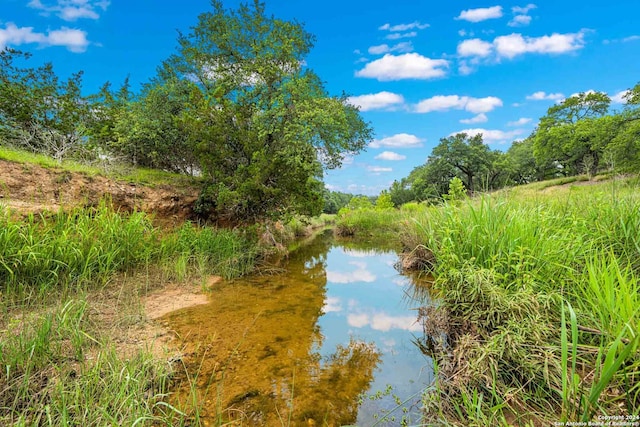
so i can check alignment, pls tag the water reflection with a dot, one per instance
(319, 345)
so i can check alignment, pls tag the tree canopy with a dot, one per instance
(261, 124)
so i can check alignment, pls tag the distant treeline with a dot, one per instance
(579, 135)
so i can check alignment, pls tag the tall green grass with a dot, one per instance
(56, 368)
(378, 224)
(69, 251)
(506, 268)
(57, 372)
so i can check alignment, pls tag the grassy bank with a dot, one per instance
(70, 287)
(59, 362)
(538, 319)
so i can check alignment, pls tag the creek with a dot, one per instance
(327, 340)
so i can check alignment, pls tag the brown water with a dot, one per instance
(327, 342)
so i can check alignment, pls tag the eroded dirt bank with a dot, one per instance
(29, 188)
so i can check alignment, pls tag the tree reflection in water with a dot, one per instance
(255, 353)
(252, 352)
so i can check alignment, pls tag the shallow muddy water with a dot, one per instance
(329, 341)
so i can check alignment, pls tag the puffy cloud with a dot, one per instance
(521, 16)
(474, 47)
(520, 122)
(480, 118)
(376, 101)
(467, 103)
(361, 274)
(406, 66)
(481, 14)
(400, 140)
(402, 47)
(542, 96)
(74, 40)
(520, 21)
(72, 10)
(358, 320)
(383, 322)
(404, 27)
(515, 44)
(489, 136)
(332, 305)
(523, 10)
(630, 39)
(390, 155)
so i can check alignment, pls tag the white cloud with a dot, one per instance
(618, 98)
(630, 39)
(384, 322)
(396, 36)
(390, 155)
(378, 169)
(520, 21)
(489, 136)
(376, 101)
(74, 40)
(358, 320)
(480, 118)
(401, 140)
(623, 40)
(72, 10)
(520, 122)
(482, 105)
(379, 49)
(515, 44)
(481, 14)
(402, 47)
(474, 47)
(404, 27)
(542, 96)
(464, 68)
(361, 274)
(406, 66)
(524, 9)
(448, 102)
(332, 305)
(521, 16)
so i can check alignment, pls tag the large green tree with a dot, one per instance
(474, 161)
(262, 124)
(570, 135)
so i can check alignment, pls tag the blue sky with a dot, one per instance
(420, 70)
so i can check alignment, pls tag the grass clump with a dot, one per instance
(368, 223)
(59, 367)
(57, 372)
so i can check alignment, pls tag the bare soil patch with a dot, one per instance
(130, 314)
(176, 297)
(29, 188)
